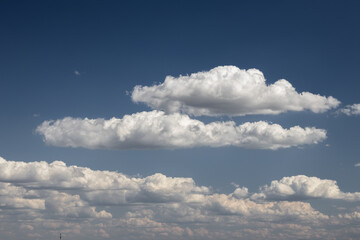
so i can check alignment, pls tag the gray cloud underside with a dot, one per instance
(228, 90)
(78, 201)
(157, 130)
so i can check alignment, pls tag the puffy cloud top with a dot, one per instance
(228, 90)
(73, 191)
(157, 130)
(303, 187)
(54, 196)
(95, 184)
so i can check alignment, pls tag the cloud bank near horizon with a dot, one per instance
(53, 197)
(228, 90)
(155, 129)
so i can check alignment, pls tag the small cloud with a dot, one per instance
(26, 227)
(350, 110)
(357, 165)
(77, 73)
(241, 192)
(302, 187)
(36, 115)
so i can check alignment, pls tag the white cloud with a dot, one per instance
(357, 165)
(224, 204)
(72, 206)
(18, 197)
(351, 109)
(157, 130)
(101, 187)
(303, 187)
(355, 215)
(228, 90)
(241, 192)
(79, 202)
(73, 191)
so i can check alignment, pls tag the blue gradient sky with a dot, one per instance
(115, 45)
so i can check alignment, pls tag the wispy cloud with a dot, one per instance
(228, 90)
(77, 73)
(157, 130)
(350, 110)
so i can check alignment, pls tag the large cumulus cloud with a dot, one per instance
(156, 129)
(228, 90)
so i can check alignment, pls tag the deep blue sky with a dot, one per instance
(115, 45)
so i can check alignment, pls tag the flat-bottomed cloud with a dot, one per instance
(228, 90)
(156, 129)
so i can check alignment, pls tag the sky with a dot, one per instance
(179, 120)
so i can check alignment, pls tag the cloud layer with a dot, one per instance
(228, 90)
(49, 198)
(157, 130)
